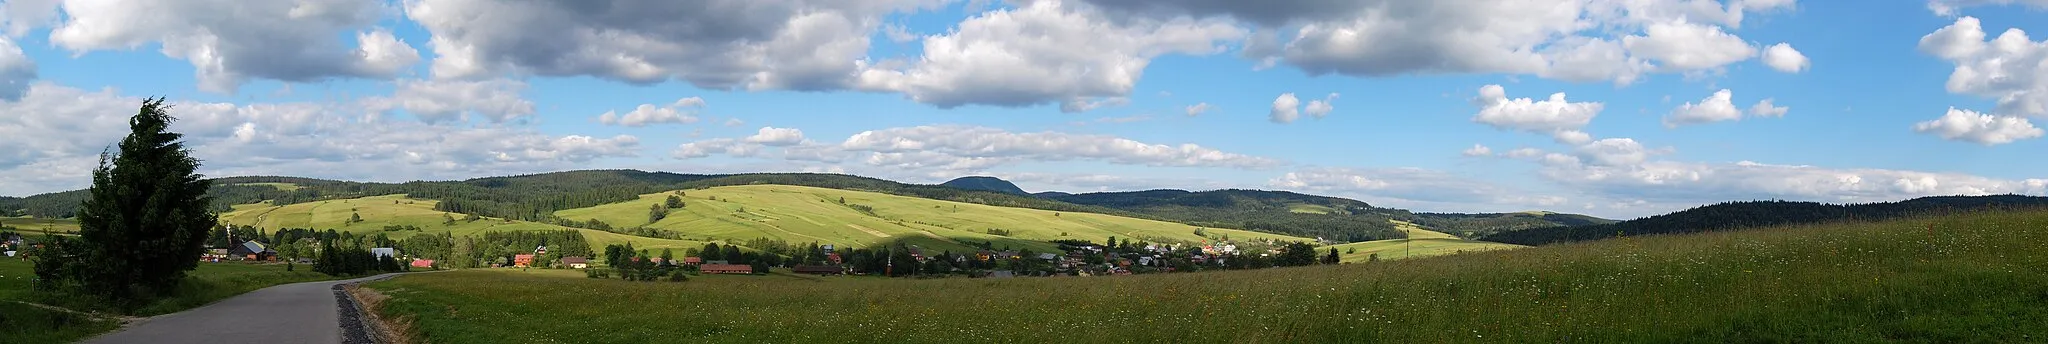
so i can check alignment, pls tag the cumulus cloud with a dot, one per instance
(60, 131)
(1717, 107)
(1984, 129)
(1198, 109)
(773, 136)
(1286, 108)
(16, 70)
(1554, 39)
(2012, 68)
(1550, 115)
(1952, 7)
(1764, 108)
(1406, 184)
(228, 42)
(1571, 137)
(1783, 58)
(682, 111)
(1320, 108)
(1042, 52)
(1044, 146)
(1694, 183)
(1478, 150)
(433, 101)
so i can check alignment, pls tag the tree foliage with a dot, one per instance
(146, 219)
(1752, 214)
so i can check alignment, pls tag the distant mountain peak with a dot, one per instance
(985, 183)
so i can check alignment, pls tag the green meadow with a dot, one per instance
(800, 214)
(32, 225)
(1420, 243)
(1972, 278)
(398, 210)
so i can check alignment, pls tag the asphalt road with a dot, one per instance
(290, 313)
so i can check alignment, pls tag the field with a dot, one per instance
(22, 323)
(1420, 243)
(1973, 278)
(279, 186)
(30, 225)
(380, 211)
(805, 214)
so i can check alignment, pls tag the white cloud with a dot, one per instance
(2011, 68)
(983, 142)
(1783, 58)
(1554, 114)
(60, 130)
(1680, 184)
(1524, 153)
(16, 70)
(19, 16)
(1952, 7)
(1478, 150)
(682, 111)
(228, 42)
(1407, 185)
(1984, 129)
(1764, 108)
(1042, 52)
(707, 148)
(1613, 152)
(1563, 39)
(1715, 108)
(1571, 137)
(434, 101)
(1198, 109)
(1682, 45)
(1320, 108)
(1286, 108)
(773, 136)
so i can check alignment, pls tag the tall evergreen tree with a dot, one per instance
(147, 218)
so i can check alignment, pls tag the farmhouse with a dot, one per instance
(693, 260)
(381, 252)
(251, 250)
(727, 269)
(522, 260)
(574, 262)
(423, 263)
(819, 269)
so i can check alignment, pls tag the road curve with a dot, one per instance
(289, 313)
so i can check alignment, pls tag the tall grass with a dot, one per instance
(1973, 278)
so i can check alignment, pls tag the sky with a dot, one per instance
(1614, 108)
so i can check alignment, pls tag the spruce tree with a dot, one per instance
(146, 220)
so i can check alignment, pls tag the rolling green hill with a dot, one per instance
(800, 214)
(34, 225)
(378, 212)
(1332, 218)
(1752, 214)
(1420, 243)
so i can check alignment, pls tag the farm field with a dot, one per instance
(1975, 278)
(380, 211)
(1420, 243)
(28, 225)
(805, 214)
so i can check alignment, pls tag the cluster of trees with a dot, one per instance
(1752, 214)
(353, 261)
(634, 265)
(1478, 225)
(493, 247)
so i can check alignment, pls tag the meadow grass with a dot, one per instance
(1420, 243)
(22, 323)
(806, 214)
(398, 210)
(1973, 278)
(35, 225)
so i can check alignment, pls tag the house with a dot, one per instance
(251, 250)
(522, 260)
(423, 263)
(726, 269)
(381, 252)
(834, 257)
(693, 260)
(984, 255)
(575, 262)
(658, 261)
(819, 269)
(1048, 256)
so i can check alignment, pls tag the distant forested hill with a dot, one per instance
(1330, 218)
(1751, 214)
(985, 184)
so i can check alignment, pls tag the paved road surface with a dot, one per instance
(290, 313)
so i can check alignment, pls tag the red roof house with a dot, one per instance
(522, 260)
(423, 263)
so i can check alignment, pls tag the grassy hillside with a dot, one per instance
(1976, 278)
(1420, 243)
(1751, 214)
(398, 210)
(37, 225)
(800, 214)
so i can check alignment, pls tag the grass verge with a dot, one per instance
(24, 323)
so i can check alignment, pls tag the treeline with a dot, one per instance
(1478, 225)
(1752, 214)
(494, 247)
(1264, 211)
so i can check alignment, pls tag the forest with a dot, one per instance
(1752, 214)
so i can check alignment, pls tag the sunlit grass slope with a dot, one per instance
(806, 214)
(1973, 278)
(380, 211)
(1420, 243)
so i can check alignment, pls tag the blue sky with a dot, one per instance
(1432, 106)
